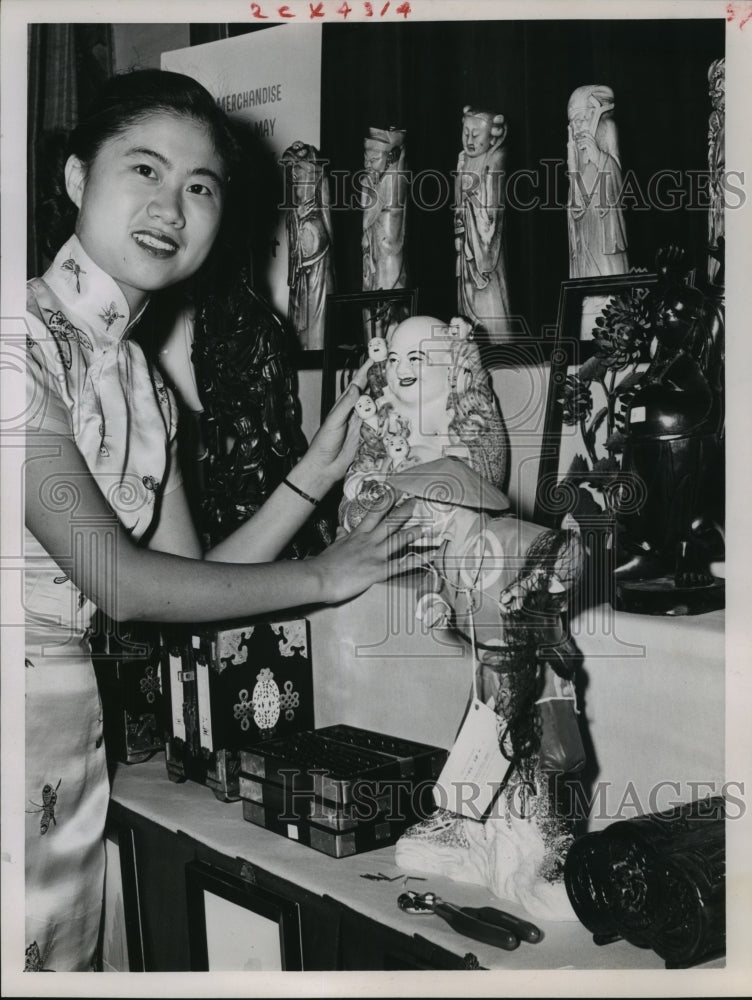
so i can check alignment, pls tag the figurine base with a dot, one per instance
(662, 597)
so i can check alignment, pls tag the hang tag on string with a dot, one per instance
(475, 768)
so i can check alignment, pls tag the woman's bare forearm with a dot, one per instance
(175, 589)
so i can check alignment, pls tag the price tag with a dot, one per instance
(637, 415)
(475, 767)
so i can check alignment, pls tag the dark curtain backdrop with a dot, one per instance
(419, 76)
(67, 63)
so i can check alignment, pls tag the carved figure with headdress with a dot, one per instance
(482, 293)
(597, 237)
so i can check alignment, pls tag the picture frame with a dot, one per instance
(582, 298)
(235, 926)
(350, 322)
(576, 468)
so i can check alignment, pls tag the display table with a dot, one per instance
(651, 701)
(337, 905)
(651, 692)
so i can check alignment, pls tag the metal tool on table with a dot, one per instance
(483, 923)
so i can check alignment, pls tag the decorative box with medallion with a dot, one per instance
(238, 685)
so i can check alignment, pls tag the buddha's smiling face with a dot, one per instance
(418, 361)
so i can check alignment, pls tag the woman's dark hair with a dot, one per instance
(125, 100)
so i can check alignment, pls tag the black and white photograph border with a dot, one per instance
(735, 978)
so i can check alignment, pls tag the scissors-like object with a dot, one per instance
(484, 923)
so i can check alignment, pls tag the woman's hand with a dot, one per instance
(371, 552)
(335, 443)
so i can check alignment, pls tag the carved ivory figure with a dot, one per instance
(309, 238)
(383, 199)
(597, 238)
(478, 223)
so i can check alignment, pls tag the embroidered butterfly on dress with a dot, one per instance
(71, 265)
(109, 314)
(34, 961)
(58, 323)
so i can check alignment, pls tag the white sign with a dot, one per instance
(272, 79)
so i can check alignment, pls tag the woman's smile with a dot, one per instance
(155, 243)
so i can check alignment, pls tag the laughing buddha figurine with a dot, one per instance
(428, 398)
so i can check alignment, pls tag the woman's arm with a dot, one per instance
(263, 536)
(67, 513)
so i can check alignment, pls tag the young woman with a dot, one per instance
(148, 175)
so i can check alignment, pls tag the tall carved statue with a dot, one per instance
(478, 223)
(716, 164)
(383, 199)
(597, 238)
(309, 238)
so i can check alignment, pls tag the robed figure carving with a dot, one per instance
(309, 240)
(384, 192)
(597, 238)
(478, 223)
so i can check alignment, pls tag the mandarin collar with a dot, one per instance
(90, 293)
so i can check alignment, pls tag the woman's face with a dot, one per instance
(150, 203)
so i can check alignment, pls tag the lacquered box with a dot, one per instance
(339, 789)
(232, 685)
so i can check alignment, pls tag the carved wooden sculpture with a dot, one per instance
(716, 165)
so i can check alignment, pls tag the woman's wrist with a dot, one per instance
(317, 579)
(310, 478)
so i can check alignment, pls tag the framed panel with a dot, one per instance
(351, 321)
(237, 927)
(582, 300)
(602, 344)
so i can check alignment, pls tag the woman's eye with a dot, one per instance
(201, 189)
(145, 170)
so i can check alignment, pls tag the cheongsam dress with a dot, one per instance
(87, 380)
